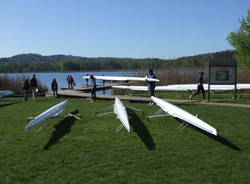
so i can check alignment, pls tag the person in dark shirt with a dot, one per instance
(72, 82)
(200, 87)
(93, 90)
(151, 85)
(54, 87)
(26, 88)
(87, 81)
(33, 85)
(68, 81)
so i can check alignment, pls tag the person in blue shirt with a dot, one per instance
(200, 87)
(151, 84)
(93, 90)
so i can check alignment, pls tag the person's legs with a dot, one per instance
(203, 93)
(151, 93)
(25, 95)
(93, 93)
(55, 93)
(196, 93)
(34, 93)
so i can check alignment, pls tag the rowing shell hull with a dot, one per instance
(193, 87)
(183, 115)
(120, 111)
(5, 93)
(186, 87)
(117, 78)
(48, 114)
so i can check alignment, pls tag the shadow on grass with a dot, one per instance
(141, 130)
(11, 103)
(61, 129)
(217, 138)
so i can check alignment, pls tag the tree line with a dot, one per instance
(114, 64)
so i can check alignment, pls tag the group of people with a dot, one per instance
(70, 81)
(54, 86)
(27, 85)
(151, 86)
(33, 85)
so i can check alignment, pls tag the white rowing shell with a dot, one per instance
(120, 111)
(183, 115)
(117, 78)
(145, 88)
(50, 113)
(186, 87)
(6, 93)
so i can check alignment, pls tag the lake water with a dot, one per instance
(46, 78)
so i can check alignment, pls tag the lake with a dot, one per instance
(46, 78)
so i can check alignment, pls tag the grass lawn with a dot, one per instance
(91, 151)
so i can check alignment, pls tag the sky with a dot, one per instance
(118, 28)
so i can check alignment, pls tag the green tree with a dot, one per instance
(241, 41)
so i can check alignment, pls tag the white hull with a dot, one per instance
(184, 115)
(48, 114)
(120, 111)
(5, 93)
(117, 78)
(186, 87)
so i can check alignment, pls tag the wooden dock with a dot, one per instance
(80, 94)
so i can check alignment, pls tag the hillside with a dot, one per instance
(39, 63)
(40, 58)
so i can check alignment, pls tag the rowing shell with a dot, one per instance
(183, 115)
(120, 111)
(48, 114)
(186, 87)
(6, 93)
(117, 78)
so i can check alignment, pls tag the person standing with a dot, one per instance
(26, 88)
(200, 87)
(54, 87)
(87, 80)
(151, 84)
(71, 81)
(33, 85)
(93, 90)
(68, 81)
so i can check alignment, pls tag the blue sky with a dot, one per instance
(118, 28)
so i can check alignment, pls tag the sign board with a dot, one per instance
(222, 75)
